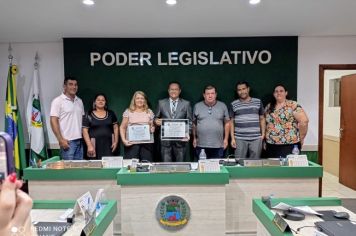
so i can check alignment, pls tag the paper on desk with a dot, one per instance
(302, 209)
(194, 165)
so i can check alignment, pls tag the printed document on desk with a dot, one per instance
(302, 209)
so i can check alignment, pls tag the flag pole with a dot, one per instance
(10, 66)
(10, 55)
(36, 61)
(31, 161)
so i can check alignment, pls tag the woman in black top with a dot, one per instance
(100, 129)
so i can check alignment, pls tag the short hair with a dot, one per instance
(174, 82)
(69, 78)
(208, 87)
(242, 83)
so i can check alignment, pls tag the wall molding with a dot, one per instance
(310, 148)
(331, 138)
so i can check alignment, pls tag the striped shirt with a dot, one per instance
(246, 117)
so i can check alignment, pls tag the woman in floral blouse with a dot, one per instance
(287, 124)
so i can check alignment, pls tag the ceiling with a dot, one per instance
(50, 20)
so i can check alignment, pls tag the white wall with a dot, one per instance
(51, 73)
(312, 51)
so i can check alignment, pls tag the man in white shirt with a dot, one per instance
(66, 114)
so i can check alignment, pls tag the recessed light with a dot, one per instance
(88, 2)
(254, 2)
(171, 2)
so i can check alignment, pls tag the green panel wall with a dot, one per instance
(120, 82)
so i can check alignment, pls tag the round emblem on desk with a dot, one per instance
(173, 213)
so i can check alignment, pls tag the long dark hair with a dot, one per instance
(272, 104)
(106, 102)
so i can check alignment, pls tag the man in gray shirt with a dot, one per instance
(211, 124)
(249, 125)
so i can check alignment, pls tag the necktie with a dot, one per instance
(174, 107)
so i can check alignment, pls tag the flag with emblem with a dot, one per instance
(13, 124)
(35, 125)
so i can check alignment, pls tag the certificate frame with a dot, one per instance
(175, 130)
(139, 133)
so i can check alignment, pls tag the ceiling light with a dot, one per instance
(254, 2)
(171, 2)
(88, 2)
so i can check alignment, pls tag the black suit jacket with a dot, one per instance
(183, 111)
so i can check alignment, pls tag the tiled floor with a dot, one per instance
(332, 187)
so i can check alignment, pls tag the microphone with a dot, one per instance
(236, 157)
(228, 162)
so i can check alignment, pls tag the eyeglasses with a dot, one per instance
(210, 110)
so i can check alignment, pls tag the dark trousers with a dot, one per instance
(173, 151)
(211, 153)
(142, 151)
(280, 150)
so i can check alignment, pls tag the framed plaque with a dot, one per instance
(175, 129)
(139, 133)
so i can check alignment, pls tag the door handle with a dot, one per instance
(341, 132)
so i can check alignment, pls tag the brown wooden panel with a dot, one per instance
(347, 167)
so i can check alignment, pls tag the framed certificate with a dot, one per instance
(139, 133)
(175, 129)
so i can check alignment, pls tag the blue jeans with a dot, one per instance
(74, 152)
(210, 152)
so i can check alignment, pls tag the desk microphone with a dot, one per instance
(228, 162)
(291, 214)
(236, 157)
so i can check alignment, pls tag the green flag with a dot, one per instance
(13, 124)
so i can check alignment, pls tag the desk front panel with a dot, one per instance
(206, 202)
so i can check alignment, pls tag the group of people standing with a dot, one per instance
(277, 128)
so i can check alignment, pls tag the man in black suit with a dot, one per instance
(173, 107)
